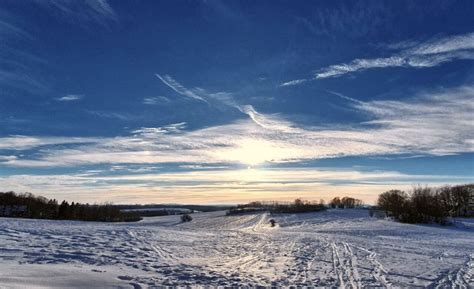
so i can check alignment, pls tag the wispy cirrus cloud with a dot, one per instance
(435, 123)
(294, 82)
(20, 142)
(70, 97)
(20, 67)
(177, 87)
(82, 12)
(413, 54)
(216, 99)
(155, 131)
(223, 100)
(418, 55)
(156, 100)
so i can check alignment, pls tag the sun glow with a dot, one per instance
(254, 152)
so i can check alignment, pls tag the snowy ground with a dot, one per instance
(342, 248)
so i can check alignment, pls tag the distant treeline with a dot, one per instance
(345, 203)
(27, 205)
(427, 205)
(298, 206)
(193, 208)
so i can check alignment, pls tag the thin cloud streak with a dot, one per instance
(70, 97)
(421, 55)
(294, 82)
(21, 68)
(82, 12)
(177, 87)
(411, 54)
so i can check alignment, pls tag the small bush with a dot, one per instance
(186, 218)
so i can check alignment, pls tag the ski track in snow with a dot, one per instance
(337, 248)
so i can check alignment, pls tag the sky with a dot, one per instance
(220, 102)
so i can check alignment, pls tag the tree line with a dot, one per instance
(345, 203)
(27, 205)
(427, 205)
(297, 206)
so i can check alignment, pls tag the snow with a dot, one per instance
(336, 248)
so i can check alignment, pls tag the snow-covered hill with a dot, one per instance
(342, 248)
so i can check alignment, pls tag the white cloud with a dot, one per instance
(437, 123)
(19, 142)
(361, 64)
(220, 100)
(226, 186)
(424, 54)
(7, 158)
(70, 97)
(411, 54)
(82, 12)
(293, 82)
(157, 100)
(152, 132)
(443, 45)
(18, 66)
(177, 87)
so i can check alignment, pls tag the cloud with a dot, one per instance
(151, 132)
(220, 100)
(412, 54)
(360, 64)
(19, 142)
(177, 87)
(294, 82)
(157, 100)
(420, 55)
(220, 185)
(81, 12)
(114, 115)
(430, 123)
(20, 67)
(70, 97)
(353, 19)
(7, 158)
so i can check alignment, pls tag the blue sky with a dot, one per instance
(230, 101)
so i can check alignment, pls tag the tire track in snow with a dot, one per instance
(353, 266)
(458, 278)
(345, 265)
(337, 265)
(378, 272)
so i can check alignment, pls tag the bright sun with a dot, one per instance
(253, 152)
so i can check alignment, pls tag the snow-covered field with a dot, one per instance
(342, 248)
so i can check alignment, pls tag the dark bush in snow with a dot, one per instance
(186, 218)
